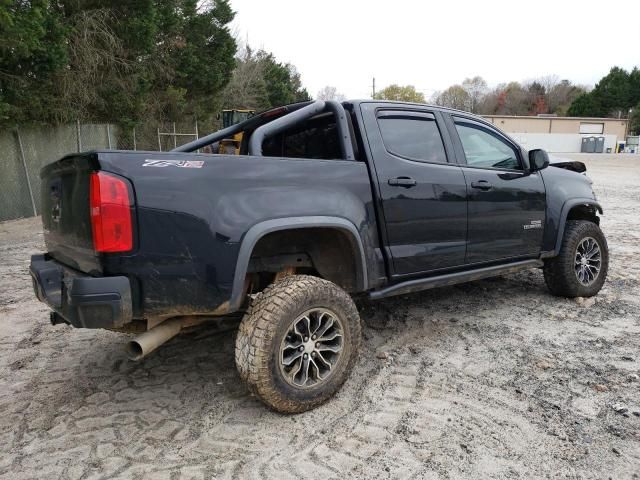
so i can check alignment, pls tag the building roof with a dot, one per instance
(546, 117)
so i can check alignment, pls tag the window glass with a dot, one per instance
(485, 150)
(320, 142)
(586, 127)
(417, 138)
(317, 138)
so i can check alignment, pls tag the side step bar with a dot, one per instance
(419, 284)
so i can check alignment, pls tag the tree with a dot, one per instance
(516, 99)
(203, 52)
(634, 120)
(539, 106)
(584, 106)
(98, 76)
(613, 95)
(507, 99)
(560, 95)
(112, 60)
(406, 93)
(32, 50)
(613, 92)
(456, 96)
(541, 95)
(247, 88)
(330, 93)
(283, 82)
(104, 37)
(634, 86)
(476, 89)
(260, 82)
(537, 94)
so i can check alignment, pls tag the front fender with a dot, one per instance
(565, 190)
(566, 208)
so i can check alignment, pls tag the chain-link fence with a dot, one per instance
(25, 150)
(163, 136)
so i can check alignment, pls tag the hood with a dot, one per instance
(567, 164)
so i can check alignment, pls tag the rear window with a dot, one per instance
(316, 138)
(413, 137)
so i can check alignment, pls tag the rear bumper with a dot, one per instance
(81, 300)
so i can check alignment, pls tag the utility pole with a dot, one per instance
(373, 88)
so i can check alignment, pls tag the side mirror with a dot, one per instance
(538, 159)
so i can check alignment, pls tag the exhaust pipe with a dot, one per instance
(147, 342)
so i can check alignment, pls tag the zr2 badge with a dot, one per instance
(173, 163)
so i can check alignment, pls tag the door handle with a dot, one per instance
(482, 185)
(405, 182)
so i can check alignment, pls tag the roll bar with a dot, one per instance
(209, 139)
(279, 125)
(346, 145)
(233, 129)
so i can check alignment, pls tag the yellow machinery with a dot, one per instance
(231, 146)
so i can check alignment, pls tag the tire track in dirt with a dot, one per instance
(494, 379)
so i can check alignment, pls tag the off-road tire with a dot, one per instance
(559, 272)
(264, 327)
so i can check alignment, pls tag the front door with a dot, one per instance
(423, 194)
(506, 201)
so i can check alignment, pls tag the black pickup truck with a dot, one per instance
(324, 201)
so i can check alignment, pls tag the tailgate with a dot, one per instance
(65, 212)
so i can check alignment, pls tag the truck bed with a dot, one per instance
(191, 212)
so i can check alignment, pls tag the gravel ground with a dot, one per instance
(493, 379)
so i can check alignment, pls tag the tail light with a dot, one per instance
(110, 206)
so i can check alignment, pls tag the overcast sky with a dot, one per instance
(434, 44)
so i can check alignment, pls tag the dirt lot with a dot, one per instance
(495, 379)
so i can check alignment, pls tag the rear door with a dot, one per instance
(421, 189)
(506, 201)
